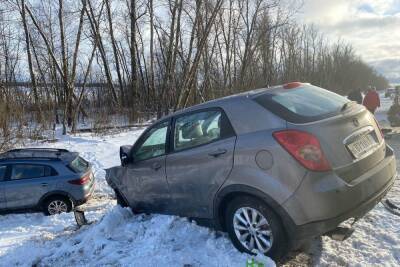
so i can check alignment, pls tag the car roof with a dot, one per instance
(38, 154)
(221, 101)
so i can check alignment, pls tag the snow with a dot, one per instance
(118, 237)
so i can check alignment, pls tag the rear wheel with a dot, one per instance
(57, 205)
(255, 228)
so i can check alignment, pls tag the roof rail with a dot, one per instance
(30, 158)
(38, 154)
(39, 149)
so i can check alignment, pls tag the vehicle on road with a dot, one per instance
(272, 167)
(51, 180)
(390, 92)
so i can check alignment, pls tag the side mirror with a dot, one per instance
(125, 155)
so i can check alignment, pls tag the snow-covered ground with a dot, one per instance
(117, 237)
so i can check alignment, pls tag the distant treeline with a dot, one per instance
(159, 56)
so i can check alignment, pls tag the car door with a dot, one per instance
(26, 184)
(201, 158)
(3, 172)
(144, 183)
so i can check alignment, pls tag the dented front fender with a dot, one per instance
(115, 176)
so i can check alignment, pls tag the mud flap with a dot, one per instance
(80, 217)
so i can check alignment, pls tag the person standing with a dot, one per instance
(371, 100)
(355, 95)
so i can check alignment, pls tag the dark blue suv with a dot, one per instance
(52, 180)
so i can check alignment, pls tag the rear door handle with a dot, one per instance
(156, 166)
(44, 184)
(217, 153)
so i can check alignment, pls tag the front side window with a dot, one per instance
(154, 143)
(26, 171)
(197, 129)
(3, 170)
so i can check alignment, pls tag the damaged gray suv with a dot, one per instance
(272, 167)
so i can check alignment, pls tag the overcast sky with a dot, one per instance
(371, 26)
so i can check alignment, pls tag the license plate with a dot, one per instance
(362, 145)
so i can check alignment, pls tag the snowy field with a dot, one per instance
(118, 238)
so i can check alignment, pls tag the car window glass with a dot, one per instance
(310, 101)
(303, 104)
(79, 165)
(26, 171)
(2, 172)
(154, 143)
(197, 129)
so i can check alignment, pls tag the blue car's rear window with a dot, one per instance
(303, 104)
(79, 165)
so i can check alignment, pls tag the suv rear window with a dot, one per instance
(79, 165)
(303, 104)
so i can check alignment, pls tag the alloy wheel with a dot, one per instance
(253, 230)
(57, 207)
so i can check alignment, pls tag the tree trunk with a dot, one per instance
(29, 55)
(134, 89)
(115, 52)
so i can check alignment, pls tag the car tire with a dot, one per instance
(273, 226)
(57, 204)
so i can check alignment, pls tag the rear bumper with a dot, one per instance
(318, 228)
(322, 203)
(85, 195)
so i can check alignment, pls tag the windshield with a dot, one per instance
(303, 104)
(79, 165)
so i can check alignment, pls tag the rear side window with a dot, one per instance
(79, 165)
(3, 170)
(26, 171)
(303, 104)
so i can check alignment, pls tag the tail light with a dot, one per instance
(81, 181)
(305, 148)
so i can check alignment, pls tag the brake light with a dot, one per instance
(83, 180)
(379, 127)
(292, 85)
(305, 148)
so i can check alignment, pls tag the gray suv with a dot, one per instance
(52, 180)
(272, 167)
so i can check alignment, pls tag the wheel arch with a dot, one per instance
(230, 192)
(54, 194)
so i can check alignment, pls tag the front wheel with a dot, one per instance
(254, 228)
